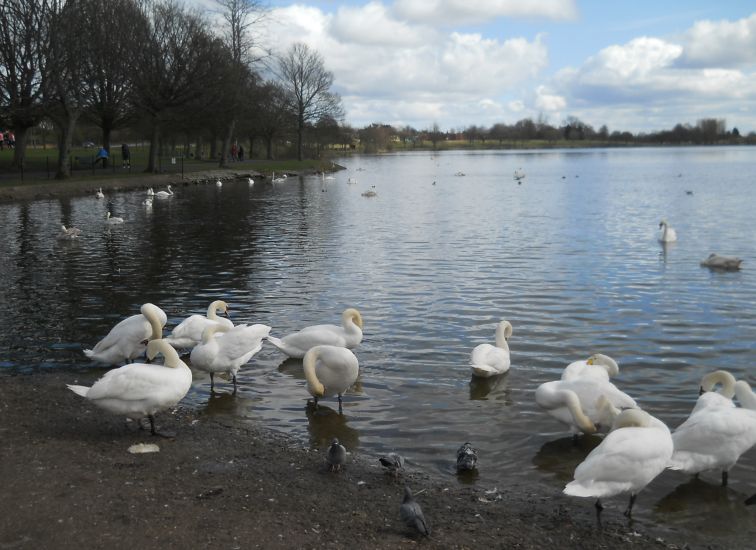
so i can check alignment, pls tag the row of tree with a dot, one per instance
(157, 68)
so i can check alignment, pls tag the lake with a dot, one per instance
(569, 256)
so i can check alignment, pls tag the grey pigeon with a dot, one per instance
(393, 463)
(467, 458)
(412, 514)
(336, 456)
(727, 263)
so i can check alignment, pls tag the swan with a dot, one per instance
(668, 234)
(147, 202)
(519, 174)
(251, 181)
(369, 193)
(100, 194)
(138, 390)
(125, 341)
(578, 404)
(69, 233)
(745, 395)
(278, 180)
(330, 370)
(629, 458)
(188, 333)
(726, 263)
(219, 183)
(352, 181)
(150, 192)
(487, 360)
(112, 220)
(598, 366)
(348, 335)
(229, 353)
(164, 194)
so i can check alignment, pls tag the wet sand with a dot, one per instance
(68, 481)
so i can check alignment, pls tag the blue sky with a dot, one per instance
(638, 66)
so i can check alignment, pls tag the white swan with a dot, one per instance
(251, 181)
(708, 398)
(100, 194)
(140, 390)
(150, 192)
(598, 365)
(519, 174)
(629, 458)
(188, 333)
(147, 202)
(668, 234)
(725, 263)
(165, 194)
(219, 183)
(745, 395)
(330, 370)
(229, 353)
(69, 233)
(112, 220)
(577, 402)
(348, 335)
(125, 341)
(278, 180)
(369, 193)
(487, 360)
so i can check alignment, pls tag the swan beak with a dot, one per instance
(701, 390)
(590, 361)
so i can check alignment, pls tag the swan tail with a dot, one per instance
(483, 371)
(576, 489)
(78, 390)
(276, 342)
(89, 353)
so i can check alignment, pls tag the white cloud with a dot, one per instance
(372, 24)
(516, 106)
(476, 11)
(547, 101)
(721, 43)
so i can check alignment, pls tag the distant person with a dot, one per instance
(102, 155)
(234, 152)
(241, 153)
(126, 155)
(10, 139)
(2, 137)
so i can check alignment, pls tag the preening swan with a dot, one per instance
(125, 341)
(140, 390)
(164, 194)
(228, 353)
(68, 233)
(598, 365)
(330, 370)
(348, 335)
(577, 402)
(250, 181)
(100, 194)
(487, 360)
(188, 333)
(668, 234)
(725, 263)
(629, 458)
(150, 192)
(112, 220)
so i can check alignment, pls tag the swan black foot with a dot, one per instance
(724, 479)
(153, 431)
(629, 511)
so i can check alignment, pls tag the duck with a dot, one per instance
(227, 354)
(668, 235)
(150, 192)
(188, 333)
(100, 194)
(635, 451)
(348, 335)
(69, 232)
(412, 514)
(578, 404)
(724, 263)
(330, 370)
(598, 366)
(112, 220)
(336, 456)
(125, 341)
(165, 194)
(141, 390)
(487, 360)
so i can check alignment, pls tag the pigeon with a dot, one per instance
(412, 514)
(393, 463)
(336, 456)
(467, 458)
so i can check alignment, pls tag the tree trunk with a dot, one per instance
(214, 147)
(64, 147)
(269, 146)
(152, 160)
(19, 150)
(107, 130)
(200, 146)
(226, 147)
(300, 137)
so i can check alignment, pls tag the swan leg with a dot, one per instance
(724, 478)
(234, 378)
(629, 511)
(340, 409)
(599, 509)
(212, 382)
(153, 431)
(575, 439)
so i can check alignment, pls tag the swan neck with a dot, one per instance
(212, 309)
(208, 335)
(150, 313)
(630, 418)
(722, 377)
(745, 395)
(171, 356)
(503, 333)
(309, 362)
(351, 316)
(572, 402)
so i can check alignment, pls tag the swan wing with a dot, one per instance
(486, 358)
(135, 382)
(241, 342)
(579, 369)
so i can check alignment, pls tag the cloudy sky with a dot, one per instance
(640, 66)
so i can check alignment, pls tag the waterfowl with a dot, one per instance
(125, 341)
(393, 463)
(519, 174)
(668, 234)
(348, 335)
(487, 360)
(100, 194)
(330, 370)
(369, 193)
(112, 220)
(147, 202)
(219, 183)
(636, 450)
(725, 263)
(150, 192)
(188, 333)
(336, 456)
(250, 181)
(141, 390)
(467, 458)
(165, 194)
(412, 514)
(69, 233)
(229, 352)
(598, 366)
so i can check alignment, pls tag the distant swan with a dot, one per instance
(100, 194)
(125, 341)
(251, 181)
(188, 333)
(219, 183)
(348, 335)
(150, 192)
(140, 390)
(164, 194)
(330, 370)
(113, 220)
(487, 360)
(519, 174)
(69, 233)
(599, 366)
(725, 263)
(668, 234)
(369, 193)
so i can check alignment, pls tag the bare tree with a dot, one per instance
(23, 36)
(305, 77)
(268, 114)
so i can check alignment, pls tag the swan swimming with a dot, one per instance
(165, 194)
(100, 194)
(229, 353)
(251, 181)
(636, 451)
(348, 335)
(487, 360)
(330, 370)
(141, 390)
(188, 333)
(598, 365)
(112, 220)
(69, 233)
(725, 263)
(125, 341)
(219, 183)
(150, 192)
(668, 235)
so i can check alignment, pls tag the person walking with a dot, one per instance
(126, 155)
(102, 155)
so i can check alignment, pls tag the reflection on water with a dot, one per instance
(572, 262)
(561, 456)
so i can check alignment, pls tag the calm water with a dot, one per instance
(570, 257)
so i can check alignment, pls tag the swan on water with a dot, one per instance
(150, 192)
(725, 263)
(125, 341)
(219, 183)
(330, 370)
(369, 193)
(141, 390)
(487, 360)
(636, 450)
(165, 194)
(336, 456)
(668, 234)
(69, 233)
(100, 194)
(112, 220)
(228, 353)
(598, 365)
(188, 333)
(250, 181)
(348, 335)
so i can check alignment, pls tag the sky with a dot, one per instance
(640, 66)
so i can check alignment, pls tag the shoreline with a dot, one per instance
(70, 482)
